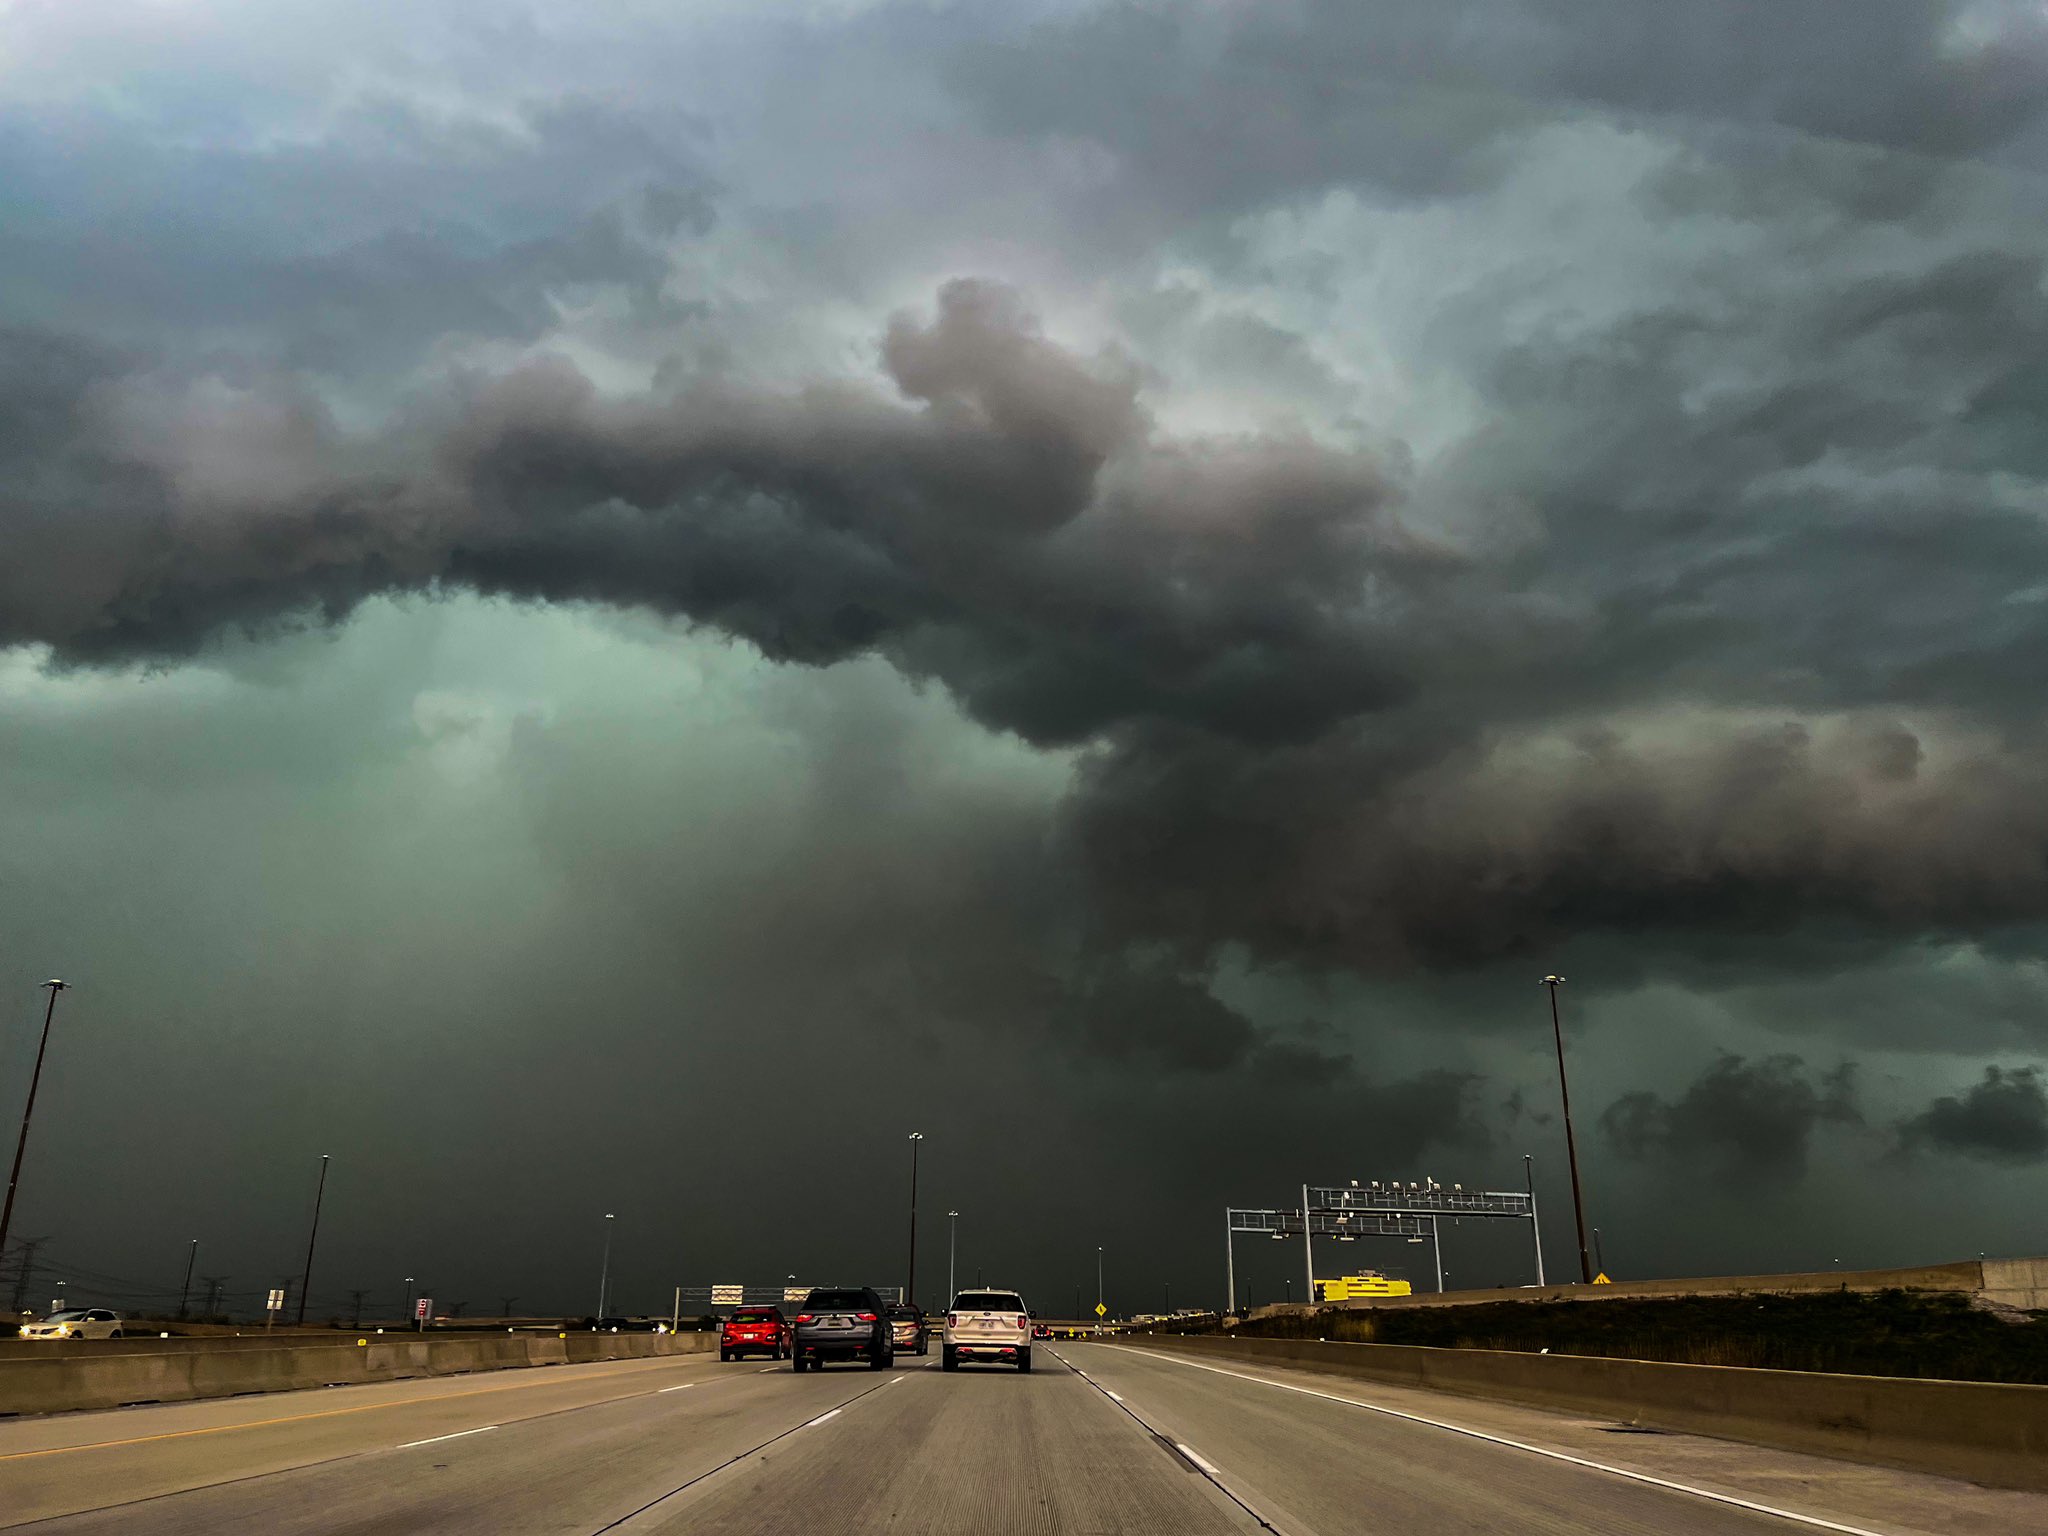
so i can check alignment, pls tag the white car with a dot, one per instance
(76, 1323)
(987, 1325)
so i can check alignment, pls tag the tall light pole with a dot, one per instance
(185, 1290)
(604, 1274)
(952, 1254)
(1571, 1146)
(910, 1286)
(21, 1146)
(306, 1280)
(1098, 1277)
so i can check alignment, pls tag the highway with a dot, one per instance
(1099, 1438)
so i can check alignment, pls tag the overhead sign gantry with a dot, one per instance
(1344, 1212)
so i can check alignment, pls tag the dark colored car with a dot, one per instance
(913, 1333)
(754, 1331)
(849, 1323)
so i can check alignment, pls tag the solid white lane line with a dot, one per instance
(1189, 1452)
(1112, 1396)
(1813, 1521)
(821, 1418)
(683, 1388)
(437, 1439)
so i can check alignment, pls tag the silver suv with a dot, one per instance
(987, 1325)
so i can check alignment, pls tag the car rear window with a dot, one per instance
(757, 1315)
(841, 1301)
(988, 1301)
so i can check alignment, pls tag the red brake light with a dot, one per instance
(1021, 1323)
(952, 1318)
(866, 1317)
(804, 1317)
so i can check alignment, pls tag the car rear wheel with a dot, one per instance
(115, 1334)
(725, 1357)
(1023, 1359)
(948, 1361)
(796, 1363)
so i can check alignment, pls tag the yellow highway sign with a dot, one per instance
(1101, 1310)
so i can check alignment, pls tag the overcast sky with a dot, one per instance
(613, 607)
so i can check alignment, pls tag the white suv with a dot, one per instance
(987, 1325)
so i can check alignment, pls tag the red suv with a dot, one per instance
(755, 1331)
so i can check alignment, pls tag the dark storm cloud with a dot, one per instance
(1740, 1115)
(2001, 1119)
(979, 532)
(1365, 851)
(1217, 107)
(1153, 1017)
(343, 253)
(1315, 727)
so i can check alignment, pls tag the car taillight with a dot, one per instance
(1020, 1322)
(952, 1318)
(866, 1317)
(805, 1317)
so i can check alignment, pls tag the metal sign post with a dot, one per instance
(273, 1304)
(421, 1311)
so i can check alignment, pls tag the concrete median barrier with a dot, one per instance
(1985, 1432)
(73, 1377)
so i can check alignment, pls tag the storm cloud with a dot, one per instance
(2001, 1118)
(1188, 558)
(1745, 1117)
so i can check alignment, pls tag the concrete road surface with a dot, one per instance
(1098, 1439)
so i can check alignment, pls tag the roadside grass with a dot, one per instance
(1881, 1333)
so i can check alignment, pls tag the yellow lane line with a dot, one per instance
(300, 1418)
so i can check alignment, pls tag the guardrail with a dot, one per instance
(69, 1377)
(1986, 1432)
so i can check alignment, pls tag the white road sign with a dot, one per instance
(795, 1292)
(276, 1302)
(728, 1295)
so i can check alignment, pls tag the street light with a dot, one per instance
(1098, 1278)
(604, 1274)
(1571, 1146)
(21, 1146)
(952, 1254)
(185, 1290)
(910, 1287)
(306, 1281)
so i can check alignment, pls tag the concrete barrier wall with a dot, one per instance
(149, 1343)
(1987, 1432)
(85, 1377)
